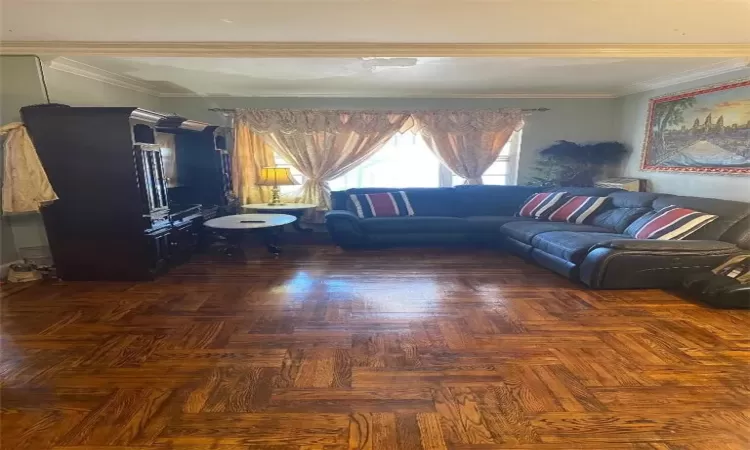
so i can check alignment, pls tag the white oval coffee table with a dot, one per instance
(235, 227)
(294, 209)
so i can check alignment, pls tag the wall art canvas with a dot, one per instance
(705, 130)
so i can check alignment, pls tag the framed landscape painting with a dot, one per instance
(705, 130)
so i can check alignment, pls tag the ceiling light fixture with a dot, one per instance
(373, 62)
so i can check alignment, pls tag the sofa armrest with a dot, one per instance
(654, 245)
(658, 267)
(344, 228)
(339, 215)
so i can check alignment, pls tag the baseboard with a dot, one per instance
(4, 268)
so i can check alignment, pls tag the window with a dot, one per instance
(406, 161)
(504, 169)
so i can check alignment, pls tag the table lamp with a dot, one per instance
(275, 176)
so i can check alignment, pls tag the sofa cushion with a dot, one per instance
(424, 201)
(624, 208)
(488, 200)
(578, 209)
(525, 231)
(434, 202)
(618, 219)
(669, 223)
(569, 245)
(415, 225)
(729, 212)
(541, 205)
(487, 224)
(626, 199)
(381, 204)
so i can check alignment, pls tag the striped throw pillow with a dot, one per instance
(381, 204)
(539, 206)
(669, 223)
(577, 209)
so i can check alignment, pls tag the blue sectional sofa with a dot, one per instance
(597, 254)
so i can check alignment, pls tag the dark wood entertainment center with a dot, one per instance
(121, 215)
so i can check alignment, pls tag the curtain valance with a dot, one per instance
(289, 121)
(468, 121)
(309, 121)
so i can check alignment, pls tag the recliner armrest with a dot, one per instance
(633, 264)
(666, 246)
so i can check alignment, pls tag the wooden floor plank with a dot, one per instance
(382, 349)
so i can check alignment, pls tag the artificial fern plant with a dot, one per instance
(566, 163)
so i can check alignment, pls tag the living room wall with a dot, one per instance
(572, 119)
(21, 85)
(76, 90)
(634, 112)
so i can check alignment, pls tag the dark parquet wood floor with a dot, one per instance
(391, 349)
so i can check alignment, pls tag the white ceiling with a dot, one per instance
(410, 77)
(413, 21)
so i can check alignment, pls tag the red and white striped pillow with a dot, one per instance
(381, 204)
(539, 206)
(577, 209)
(669, 223)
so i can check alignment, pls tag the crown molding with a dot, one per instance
(74, 67)
(94, 73)
(435, 95)
(385, 49)
(722, 67)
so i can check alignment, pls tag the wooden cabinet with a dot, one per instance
(225, 169)
(184, 242)
(158, 247)
(114, 219)
(205, 166)
(152, 181)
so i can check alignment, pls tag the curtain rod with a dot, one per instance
(232, 110)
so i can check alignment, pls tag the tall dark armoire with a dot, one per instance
(114, 219)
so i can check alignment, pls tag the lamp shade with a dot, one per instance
(276, 176)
